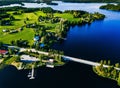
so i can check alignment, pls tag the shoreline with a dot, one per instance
(108, 75)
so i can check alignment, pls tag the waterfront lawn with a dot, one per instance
(7, 61)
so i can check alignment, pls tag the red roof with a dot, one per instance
(3, 51)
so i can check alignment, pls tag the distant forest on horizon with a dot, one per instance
(8, 2)
(89, 0)
(66, 0)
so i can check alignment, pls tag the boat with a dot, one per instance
(29, 74)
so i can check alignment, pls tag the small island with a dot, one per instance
(105, 69)
(27, 34)
(111, 7)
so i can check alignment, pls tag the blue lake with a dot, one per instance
(100, 40)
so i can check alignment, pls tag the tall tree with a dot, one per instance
(119, 80)
(1, 44)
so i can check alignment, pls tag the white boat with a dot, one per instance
(29, 74)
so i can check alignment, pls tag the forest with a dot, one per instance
(111, 7)
(90, 0)
(7, 2)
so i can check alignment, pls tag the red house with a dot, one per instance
(3, 52)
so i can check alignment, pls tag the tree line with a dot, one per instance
(111, 7)
(90, 0)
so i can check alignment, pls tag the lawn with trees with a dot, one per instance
(38, 28)
(50, 25)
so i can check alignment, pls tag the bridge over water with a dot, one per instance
(79, 60)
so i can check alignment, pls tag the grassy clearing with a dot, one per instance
(38, 13)
(26, 34)
(7, 61)
(67, 16)
(30, 18)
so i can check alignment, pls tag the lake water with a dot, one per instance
(72, 75)
(100, 40)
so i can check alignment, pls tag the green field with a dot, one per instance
(28, 33)
(22, 19)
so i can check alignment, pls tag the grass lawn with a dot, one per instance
(67, 16)
(7, 61)
(28, 33)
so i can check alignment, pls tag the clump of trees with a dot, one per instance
(6, 19)
(76, 13)
(20, 43)
(1, 44)
(112, 1)
(84, 17)
(112, 71)
(98, 16)
(53, 54)
(18, 9)
(47, 10)
(4, 15)
(5, 22)
(111, 7)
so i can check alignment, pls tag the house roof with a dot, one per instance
(36, 38)
(42, 45)
(27, 58)
(3, 51)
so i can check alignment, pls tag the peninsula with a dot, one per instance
(109, 71)
(26, 32)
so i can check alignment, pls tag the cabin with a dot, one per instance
(33, 25)
(3, 52)
(13, 31)
(27, 58)
(50, 63)
(42, 45)
(36, 38)
(4, 30)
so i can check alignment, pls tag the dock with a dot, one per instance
(31, 75)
